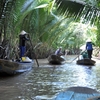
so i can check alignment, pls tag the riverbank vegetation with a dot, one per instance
(50, 24)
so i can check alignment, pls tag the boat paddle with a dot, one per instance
(76, 57)
(33, 50)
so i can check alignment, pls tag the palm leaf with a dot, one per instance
(79, 9)
(73, 8)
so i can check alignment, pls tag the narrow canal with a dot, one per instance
(45, 82)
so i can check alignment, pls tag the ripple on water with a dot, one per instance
(48, 80)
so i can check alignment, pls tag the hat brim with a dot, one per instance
(88, 40)
(23, 33)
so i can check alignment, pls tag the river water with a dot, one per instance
(46, 81)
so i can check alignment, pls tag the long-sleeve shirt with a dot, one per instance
(89, 46)
(22, 39)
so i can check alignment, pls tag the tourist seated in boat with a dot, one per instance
(59, 51)
(84, 55)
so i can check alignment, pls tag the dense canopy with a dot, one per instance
(50, 23)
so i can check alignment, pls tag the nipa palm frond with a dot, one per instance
(78, 9)
(69, 7)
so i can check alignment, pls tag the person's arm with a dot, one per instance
(26, 38)
(86, 46)
(93, 44)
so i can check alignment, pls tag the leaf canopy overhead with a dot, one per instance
(89, 11)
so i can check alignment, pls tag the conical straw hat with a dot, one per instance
(88, 40)
(23, 33)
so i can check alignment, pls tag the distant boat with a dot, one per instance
(12, 67)
(86, 61)
(55, 59)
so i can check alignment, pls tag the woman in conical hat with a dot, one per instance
(89, 48)
(22, 40)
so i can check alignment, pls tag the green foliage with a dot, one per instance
(88, 10)
(98, 35)
(42, 21)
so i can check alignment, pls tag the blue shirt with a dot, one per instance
(89, 46)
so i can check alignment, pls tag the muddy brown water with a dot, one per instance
(46, 81)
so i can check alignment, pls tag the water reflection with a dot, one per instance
(45, 82)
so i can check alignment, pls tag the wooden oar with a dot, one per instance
(33, 50)
(76, 57)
